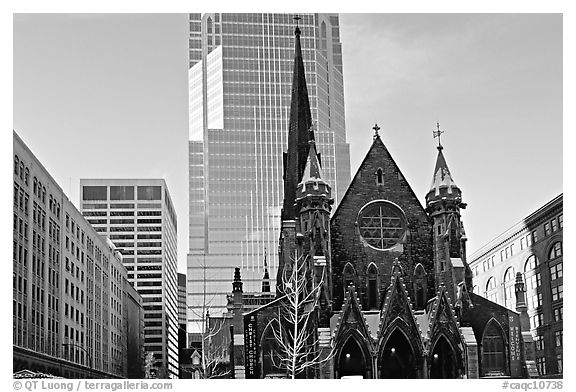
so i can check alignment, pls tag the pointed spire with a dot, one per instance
(299, 132)
(443, 185)
(313, 169)
(266, 278)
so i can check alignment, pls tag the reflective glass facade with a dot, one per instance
(240, 81)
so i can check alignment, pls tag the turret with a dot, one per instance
(443, 204)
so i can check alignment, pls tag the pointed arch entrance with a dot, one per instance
(443, 360)
(397, 358)
(352, 360)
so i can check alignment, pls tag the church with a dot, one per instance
(387, 291)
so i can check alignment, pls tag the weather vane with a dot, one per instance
(437, 134)
(376, 128)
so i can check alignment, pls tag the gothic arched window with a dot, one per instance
(493, 350)
(420, 286)
(348, 275)
(379, 176)
(372, 287)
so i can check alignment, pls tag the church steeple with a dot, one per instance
(299, 132)
(443, 185)
(443, 204)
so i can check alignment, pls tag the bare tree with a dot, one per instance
(295, 330)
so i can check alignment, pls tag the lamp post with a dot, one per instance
(88, 356)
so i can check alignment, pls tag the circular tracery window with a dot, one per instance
(381, 224)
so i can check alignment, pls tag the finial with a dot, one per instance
(265, 254)
(437, 135)
(297, 30)
(376, 128)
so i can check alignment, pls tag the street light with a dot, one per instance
(88, 356)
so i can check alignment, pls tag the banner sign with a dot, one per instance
(250, 345)
(515, 346)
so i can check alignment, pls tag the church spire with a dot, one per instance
(266, 278)
(299, 132)
(443, 185)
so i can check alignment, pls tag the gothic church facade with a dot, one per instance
(395, 291)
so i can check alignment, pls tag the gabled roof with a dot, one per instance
(377, 151)
(397, 305)
(352, 314)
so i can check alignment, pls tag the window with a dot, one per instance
(121, 193)
(554, 225)
(547, 230)
(534, 281)
(381, 224)
(531, 263)
(556, 271)
(559, 313)
(522, 243)
(372, 287)
(16, 164)
(379, 177)
(94, 193)
(539, 341)
(493, 351)
(536, 300)
(561, 221)
(534, 236)
(559, 338)
(555, 251)
(149, 193)
(349, 275)
(557, 292)
(541, 365)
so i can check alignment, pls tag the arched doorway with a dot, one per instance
(397, 359)
(443, 360)
(352, 362)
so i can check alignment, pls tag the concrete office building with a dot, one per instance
(240, 81)
(139, 217)
(532, 247)
(73, 308)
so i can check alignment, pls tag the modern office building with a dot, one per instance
(139, 218)
(182, 321)
(532, 247)
(73, 308)
(240, 83)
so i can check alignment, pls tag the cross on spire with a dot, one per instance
(376, 128)
(437, 134)
(297, 30)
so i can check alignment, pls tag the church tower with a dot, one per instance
(300, 138)
(314, 204)
(443, 204)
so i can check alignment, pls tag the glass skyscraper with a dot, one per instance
(240, 82)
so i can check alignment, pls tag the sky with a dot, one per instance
(106, 96)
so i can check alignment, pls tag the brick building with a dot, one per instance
(532, 247)
(387, 289)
